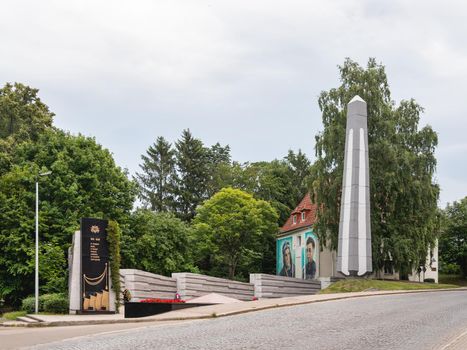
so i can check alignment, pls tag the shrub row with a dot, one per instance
(53, 303)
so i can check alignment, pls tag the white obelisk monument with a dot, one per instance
(354, 246)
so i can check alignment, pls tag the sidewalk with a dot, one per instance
(217, 310)
(459, 343)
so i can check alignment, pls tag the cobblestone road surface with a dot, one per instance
(411, 321)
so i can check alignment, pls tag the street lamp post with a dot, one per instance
(37, 241)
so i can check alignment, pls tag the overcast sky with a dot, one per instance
(243, 73)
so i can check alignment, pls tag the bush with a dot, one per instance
(429, 280)
(28, 305)
(43, 299)
(56, 303)
(449, 269)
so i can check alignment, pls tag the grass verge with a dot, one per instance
(361, 285)
(11, 316)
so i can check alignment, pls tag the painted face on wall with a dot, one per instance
(287, 258)
(310, 251)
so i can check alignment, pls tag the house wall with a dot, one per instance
(326, 258)
(431, 266)
(297, 242)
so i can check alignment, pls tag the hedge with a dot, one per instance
(53, 303)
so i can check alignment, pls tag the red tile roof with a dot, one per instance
(310, 215)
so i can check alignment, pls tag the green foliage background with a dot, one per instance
(158, 242)
(453, 241)
(179, 179)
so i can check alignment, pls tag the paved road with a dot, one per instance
(411, 321)
(21, 337)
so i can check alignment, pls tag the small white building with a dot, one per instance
(300, 254)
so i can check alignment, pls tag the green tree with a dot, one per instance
(218, 154)
(300, 169)
(22, 113)
(158, 179)
(453, 241)
(16, 235)
(219, 168)
(274, 184)
(283, 183)
(23, 117)
(157, 242)
(402, 164)
(193, 174)
(85, 182)
(53, 268)
(233, 229)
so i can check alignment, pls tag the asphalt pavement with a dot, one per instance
(405, 321)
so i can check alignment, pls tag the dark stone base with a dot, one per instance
(97, 312)
(134, 310)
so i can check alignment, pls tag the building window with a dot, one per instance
(303, 216)
(299, 240)
(294, 219)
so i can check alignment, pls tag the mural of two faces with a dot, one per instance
(285, 257)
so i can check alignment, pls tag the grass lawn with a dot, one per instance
(360, 285)
(453, 279)
(12, 315)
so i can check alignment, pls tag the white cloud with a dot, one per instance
(246, 73)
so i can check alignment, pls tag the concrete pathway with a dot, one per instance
(218, 310)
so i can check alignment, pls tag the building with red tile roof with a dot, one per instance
(304, 215)
(293, 242)
(298, 250)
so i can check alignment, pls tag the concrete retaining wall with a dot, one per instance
(144, 284)
(192, 285)
(271, 286)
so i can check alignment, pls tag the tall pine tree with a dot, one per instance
(220, 168)
(193, 174)
(158, 179)
(300, 169)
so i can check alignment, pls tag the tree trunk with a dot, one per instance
(232, 267)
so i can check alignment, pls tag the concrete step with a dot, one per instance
(29, 319)
(35, 317)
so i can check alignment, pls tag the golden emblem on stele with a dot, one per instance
(95, 229)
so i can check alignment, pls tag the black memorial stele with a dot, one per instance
(95, 275)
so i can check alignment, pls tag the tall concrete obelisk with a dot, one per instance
(354, 249)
